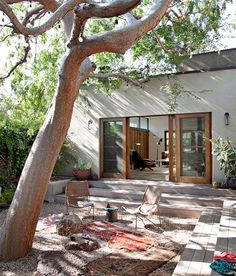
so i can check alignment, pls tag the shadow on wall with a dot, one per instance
(67, 159)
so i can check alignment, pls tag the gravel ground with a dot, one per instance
(174, 234)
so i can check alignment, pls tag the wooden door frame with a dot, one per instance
(171, 148)
(198, 179)
(125, 152)
(172, 177)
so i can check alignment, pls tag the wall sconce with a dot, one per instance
(159, 142)
(226, 117)
(89, 124)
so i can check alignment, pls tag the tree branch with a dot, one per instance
(86, 11)
(160, 42)
(119, 41)
(57, 15)
(32, 13)
(5, 37)
(130, 18)
(21, 61)
(86, 68)
(119, 75)
(51, 5)
(7, 26)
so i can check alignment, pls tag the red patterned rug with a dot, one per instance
(118, 237)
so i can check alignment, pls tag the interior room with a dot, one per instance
(149, 158)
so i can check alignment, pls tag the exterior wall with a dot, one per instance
(219, 97)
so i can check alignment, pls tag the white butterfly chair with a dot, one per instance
(77, 195)
(149, 206)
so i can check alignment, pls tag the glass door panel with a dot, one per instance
(193, 148)
(113, 148)
(172, 148)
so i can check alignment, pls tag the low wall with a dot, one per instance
(54, 188)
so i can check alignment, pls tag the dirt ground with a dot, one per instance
(174, 234)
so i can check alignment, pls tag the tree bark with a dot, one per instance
(17, 232)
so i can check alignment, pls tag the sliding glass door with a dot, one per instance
(188, 144)
(113, 148)
(193, 148)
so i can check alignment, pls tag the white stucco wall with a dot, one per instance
(149, 100)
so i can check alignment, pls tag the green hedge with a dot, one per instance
(15, 144)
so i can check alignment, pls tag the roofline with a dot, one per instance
(214, 52)
(202, 71)
(194, 71)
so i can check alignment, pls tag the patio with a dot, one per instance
(202, 223)
(49, 254)
(214, 209)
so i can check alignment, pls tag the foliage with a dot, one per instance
(14, 148)
(226, 155)
(216, 184)
(32, 86)
(67, 156)
(22, 113)
(82, 165)
(189, 27)
(7, 195)
(174, 92)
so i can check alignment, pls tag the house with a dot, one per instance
(138, 119)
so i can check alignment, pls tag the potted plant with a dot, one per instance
(226, 155)
(82, 170)
(216, 184)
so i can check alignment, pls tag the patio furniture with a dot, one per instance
(77, 195)
(149, 206)
(161, 162)
(139, 163)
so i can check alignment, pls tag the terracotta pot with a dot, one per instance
(82, 174)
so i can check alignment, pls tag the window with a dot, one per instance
(139, 122)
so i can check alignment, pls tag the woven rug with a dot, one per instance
(118, 237)
(130, 264)
(48, 220)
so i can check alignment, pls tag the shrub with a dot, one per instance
(15, 144)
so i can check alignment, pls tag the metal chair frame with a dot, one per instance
(77, 191)
(152, 196)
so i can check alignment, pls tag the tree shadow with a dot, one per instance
(168, 227)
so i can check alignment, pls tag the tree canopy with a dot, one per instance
(187, 28)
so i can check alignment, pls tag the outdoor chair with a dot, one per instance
(77, 195)
(149, 206)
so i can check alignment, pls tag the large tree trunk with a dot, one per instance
(17, 232)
